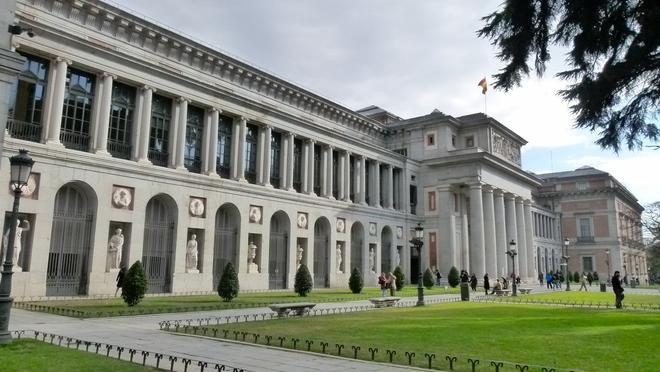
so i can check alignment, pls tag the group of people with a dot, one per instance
(387, 281)
(553, 280)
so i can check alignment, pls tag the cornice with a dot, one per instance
(129, 28)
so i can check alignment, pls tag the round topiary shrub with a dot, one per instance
(453, 277)
(596, 276)
(228, 286)
(355, 282)
(303, 283)
(576, 277)
(428, 279)
(400, 278)
(135, 285)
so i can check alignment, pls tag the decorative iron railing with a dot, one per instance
(24, 130)
(119, 149)
(75, 141)
(158, 158)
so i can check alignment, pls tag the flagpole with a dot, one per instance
(485, 105)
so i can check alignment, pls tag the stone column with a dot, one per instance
(362, 183)
(404, 191)
(95, 113)
(268, 135)
(235, 146)
(341, 193)
(304, 167)
(529, 236)
(181, 133)
(240, 162)
(477, 250)
(261, 134)
(310, 169)
(206, 129)
(57, 102)
(511, 229)
(522, 239)
(105, 102)
(489, 231)
(500, 233)
(329, 174)
(390, 186)
(213, 143)
(376, 183)
(347, 177)
(291, 161)
(284, 162)
(447, 225)
(173, 134)
(144, 125)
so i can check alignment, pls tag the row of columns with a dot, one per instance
(545, 226)
(177, 136)
(495, 219)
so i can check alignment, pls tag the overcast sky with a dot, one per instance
(408, 57)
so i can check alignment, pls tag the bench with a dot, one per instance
(300, 308)
(502, 292)
(384, 301)
(525, 290)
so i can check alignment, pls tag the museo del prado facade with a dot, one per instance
(150, 146)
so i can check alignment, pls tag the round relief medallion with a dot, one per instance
(372, 228)
(30, 187)
(255, 214)
(121, 197)
(302, 220)
(196, 207)
(399, 232)
(341, 225)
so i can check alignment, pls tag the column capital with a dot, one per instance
(213, 110)
(509, 196)
(348, 153)
(290, 134)
(243, 119)
(476, 185)
(527, 202)
(310, 141)
(182, 99)
(106, 74)
(62, 59)
(519, 200)
(149, 87)
(498, 192)
(488, 188)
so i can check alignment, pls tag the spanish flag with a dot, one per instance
(484, 85)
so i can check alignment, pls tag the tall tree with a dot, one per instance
(651, 222)
(614, 60)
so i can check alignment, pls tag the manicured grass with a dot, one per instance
(29, 355)
(169, 304)
(594, 297)
(586, 339)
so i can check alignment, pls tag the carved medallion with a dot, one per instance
(122, 197)
(341, 225)
(372, 228)
(399, 232)
(302, 220)
(196, 207)
(255, 214)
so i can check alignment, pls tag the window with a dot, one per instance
(297, 165)
(335, 174)
(430, 139)
(585, 229)
(25, 111)
(582, 185)
(161, 117)
(353, 178)
(469, 141)
(431, 199)
(77, 110)
(433, 253)
(223, 154)
(192, 157)
(453, 140)
(587, 264)
(413, 199)
(367, 182)
(121, 120)
(251, 153)
(317, 169)
(275, 156)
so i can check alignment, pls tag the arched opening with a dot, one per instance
(225, 247)
(278, 250)
(159, 240)
(321, 252)
(386, 250)
(70, 242)
(357, 242)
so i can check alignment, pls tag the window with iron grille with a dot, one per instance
(275, 158)
(77, 110)
(317, 169)
(121, 120)
(354, 178)
(251, 153)
(335, 174)
(223, 154)
(161, 117)
(27, 100)
(297, 165)
(413, 199)
(192, 157)
(367, 182)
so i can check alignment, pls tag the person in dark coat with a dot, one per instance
(473, 282)
(120, 278)
(618, 289)
(486, 283)
(464, 276)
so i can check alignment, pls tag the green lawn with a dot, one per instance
(29, 355)
(586, 339)
(593, 297)
(169, 304)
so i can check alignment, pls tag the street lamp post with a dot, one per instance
(513, 253)
(20, 168)
(566, 257)
(418, 242)
(607, 262)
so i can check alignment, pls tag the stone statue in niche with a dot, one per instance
(339, 258)
(372, 260)
(115, 247)
(252, 254)
(397, 258)
(17, 244)
(299, 256)
(191, 254)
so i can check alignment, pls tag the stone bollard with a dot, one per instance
(603, 287)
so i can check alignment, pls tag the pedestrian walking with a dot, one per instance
(120, 278)
(486, 283)
(473, 282)
(618, 289)
(438, 276)
(548, 280)
(383, 284)
(583, 283)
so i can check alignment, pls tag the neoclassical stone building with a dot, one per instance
(151, 146)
